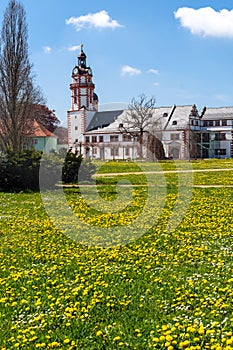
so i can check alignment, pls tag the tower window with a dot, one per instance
(76, 128)
(175, 137)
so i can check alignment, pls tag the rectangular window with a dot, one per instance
(94, 139)
(114, 152)
(126, 138)
(217, 122)
(87, 139)
(94, 151)
(220, 152)
(205, 137)
(127, 151)
(76, 128)
(224, 122)
(211, 123)
(222, 136)
(175, 137)
(113, 138)
(101, 138)
(197, 137)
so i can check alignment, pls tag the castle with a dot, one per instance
(183, 131)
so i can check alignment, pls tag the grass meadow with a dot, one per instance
(166, 290)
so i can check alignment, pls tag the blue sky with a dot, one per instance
(177, 51)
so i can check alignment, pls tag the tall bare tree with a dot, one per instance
(139, 120)
(17, 91)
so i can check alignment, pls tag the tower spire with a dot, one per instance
(82, 58)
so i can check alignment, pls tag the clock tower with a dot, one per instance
(82, 87)
(84, 102)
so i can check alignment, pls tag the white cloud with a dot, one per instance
(153, 71)
(74, 48)
(99, 19)
(206, 21)
(47, 49)
(130, 70)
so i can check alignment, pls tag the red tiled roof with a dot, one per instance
(40, 131)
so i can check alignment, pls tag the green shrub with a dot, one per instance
(77, 169)
(25, 170)
(29, 170)
(19, 171)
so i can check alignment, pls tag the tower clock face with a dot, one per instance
(75, 70)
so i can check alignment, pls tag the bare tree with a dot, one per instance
(17, 91)
(139, 120)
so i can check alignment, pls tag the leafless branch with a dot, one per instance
(17, 91)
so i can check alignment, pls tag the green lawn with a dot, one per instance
(123, 166)
(164, 289)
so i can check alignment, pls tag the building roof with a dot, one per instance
(170, 118)
(103, 119)
(40, 131)
(173, 117)
(219, 113)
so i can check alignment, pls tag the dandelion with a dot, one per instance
(116, 338)
(99, 333)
